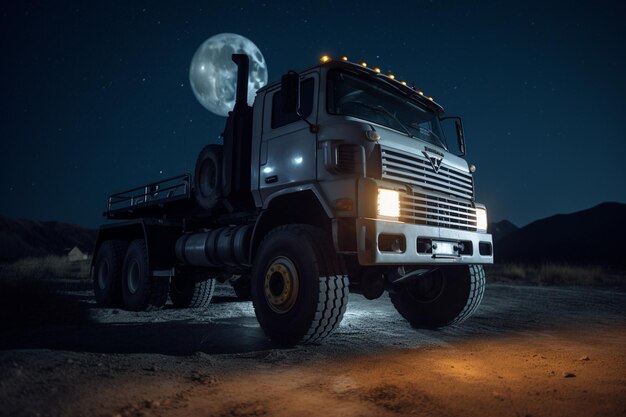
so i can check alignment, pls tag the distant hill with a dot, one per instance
(501, 229)
(21, 238)
(592, 236)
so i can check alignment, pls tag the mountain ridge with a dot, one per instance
(21, 238)
(590, 236)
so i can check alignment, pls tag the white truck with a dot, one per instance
(338, 179)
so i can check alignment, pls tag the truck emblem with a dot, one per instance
(435, 160)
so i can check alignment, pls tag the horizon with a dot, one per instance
(490, 221)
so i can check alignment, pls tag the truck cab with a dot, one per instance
(377, 161)
(338, 179)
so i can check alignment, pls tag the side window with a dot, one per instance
(280, 118)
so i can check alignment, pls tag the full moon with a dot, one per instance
(213, 74)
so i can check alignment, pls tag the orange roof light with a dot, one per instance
(430, 98)
(421, 93)
(363, 64)
(403, 82)
(344, 58)
(391, 76)
(325, 59)
(376, 69)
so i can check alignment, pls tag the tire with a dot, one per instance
(140, 290)
(243, 289)
(107, 272)
(299, 288)
(188, 292)
(208, 177)
(445, 297)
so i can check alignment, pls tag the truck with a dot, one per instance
(338, 179)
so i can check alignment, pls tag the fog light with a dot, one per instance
(388, 203)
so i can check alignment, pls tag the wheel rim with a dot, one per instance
(133, 277)
(103, 273)
(429, 288)
(281, 285)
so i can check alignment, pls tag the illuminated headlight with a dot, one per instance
(481, 219)
(388, 203)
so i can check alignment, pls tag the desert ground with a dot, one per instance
(528, 351)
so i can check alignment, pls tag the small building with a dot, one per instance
(76, 254)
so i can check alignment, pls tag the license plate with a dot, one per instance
(444, 248)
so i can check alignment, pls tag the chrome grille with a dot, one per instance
(416, 170)
(441, 199)
(431, 209)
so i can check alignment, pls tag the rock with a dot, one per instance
(151, 404)
(584, 358)
(569, 375)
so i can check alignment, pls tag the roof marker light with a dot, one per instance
(376, 69)
(430, 98)
(363, 64)
(403, 82)
(325, 59)
(421, 93)
(391, 76)
(344, 58)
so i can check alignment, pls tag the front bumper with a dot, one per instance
(370, 253)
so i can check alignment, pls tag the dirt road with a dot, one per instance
(529, 351)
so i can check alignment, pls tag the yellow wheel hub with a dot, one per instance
(281, 285)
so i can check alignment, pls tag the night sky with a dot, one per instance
(96, 97)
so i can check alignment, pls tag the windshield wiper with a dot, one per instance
(393, 116)
(379, 108)
(429, 133)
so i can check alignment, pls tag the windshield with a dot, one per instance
(374, 101)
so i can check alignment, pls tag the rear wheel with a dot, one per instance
(140, 290)
(186, 291)
(446, 296)
(299, 288)
(107, 272)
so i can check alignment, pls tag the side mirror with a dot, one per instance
(460, 134)
(290, 91)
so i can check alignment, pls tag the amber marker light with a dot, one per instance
(391, 76)
(421, 93)
(403, 82)
(376, 69)
(363, 64)
(344, 58)
(344, 204)
(325, 59)
(430, 98)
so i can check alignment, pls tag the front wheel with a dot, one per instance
(446, 296)
(299, 288)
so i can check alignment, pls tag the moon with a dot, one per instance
(213, 74)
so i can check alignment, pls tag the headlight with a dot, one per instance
(388, 203)
(481, 219)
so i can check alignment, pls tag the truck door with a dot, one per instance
(288, 148)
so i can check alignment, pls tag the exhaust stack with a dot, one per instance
(238, 143)
(243, 66)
